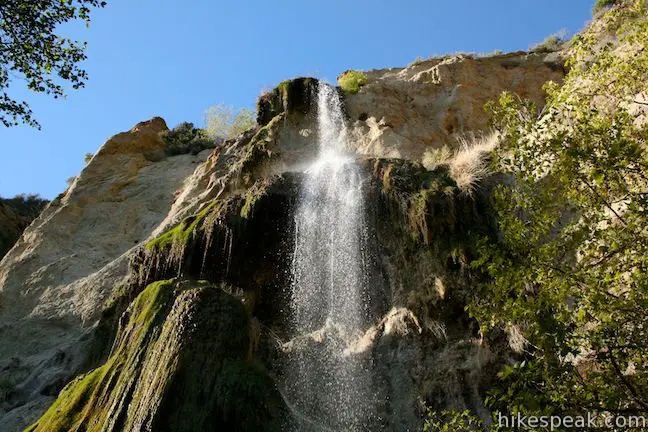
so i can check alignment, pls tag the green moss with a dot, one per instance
(252, 196)
(259, 150)
(151, 301)
(351, 81)
(82, 397)
(183, 232)
(67, 412)
(182, 362)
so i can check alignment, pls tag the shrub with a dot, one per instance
(435, 157)
(552, 43)
(185, 138)
(604, 4)
(352, 80)
(26, 205)
(469, 165)
(453, 421)
(224, 122)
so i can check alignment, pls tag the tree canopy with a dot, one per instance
(31, 51)
(569, 271)
(222, 121)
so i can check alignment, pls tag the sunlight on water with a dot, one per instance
(323, 382)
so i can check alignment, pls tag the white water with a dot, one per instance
(326, 386)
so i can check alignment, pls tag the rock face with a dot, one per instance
(402, 112)
(104, 282)
(55, 281)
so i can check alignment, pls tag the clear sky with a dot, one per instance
(174, 59)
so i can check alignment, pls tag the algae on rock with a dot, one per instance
(171, 369)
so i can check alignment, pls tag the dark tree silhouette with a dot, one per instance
(31, 51)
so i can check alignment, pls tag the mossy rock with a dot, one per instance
(290, 96)
(179, 364)
(427, 206)
(225, 240)
(185, 230)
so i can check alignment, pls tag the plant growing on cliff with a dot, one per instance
(225, 122)
(552, 43)
(351, 81)
(32, 51)
(453, 421)
(185, 138)
(604, 4)
(570, 266)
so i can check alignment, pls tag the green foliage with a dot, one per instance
(226, 123)
(88, 157)
(185, 138)
(550, 44)
(26, 205)
(453, 421)
(569, 268)
(34, 53)
(15, 215)
(603, 4)
(352, 80)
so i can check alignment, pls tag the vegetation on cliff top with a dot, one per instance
(185, 138)
(351, 81)
(570, 272)
(224, 122)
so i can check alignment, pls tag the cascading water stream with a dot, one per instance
(325, 382)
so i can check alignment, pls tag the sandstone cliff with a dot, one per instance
(78, 292)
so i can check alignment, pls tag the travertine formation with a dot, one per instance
(60, 278)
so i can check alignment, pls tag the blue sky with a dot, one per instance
(176, 58)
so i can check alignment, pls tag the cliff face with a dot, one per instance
(104, 282)
(404, 112)
(69, 261)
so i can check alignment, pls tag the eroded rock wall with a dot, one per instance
(134, 217)
(55, 281)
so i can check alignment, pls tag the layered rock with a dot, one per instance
(180, 363)
(55, 281)
(402, 112)
(72, 287)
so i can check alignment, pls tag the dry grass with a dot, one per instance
(469, 164)
(435, 157)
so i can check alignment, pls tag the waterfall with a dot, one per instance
(328, 386)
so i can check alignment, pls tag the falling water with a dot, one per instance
(328, 387)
